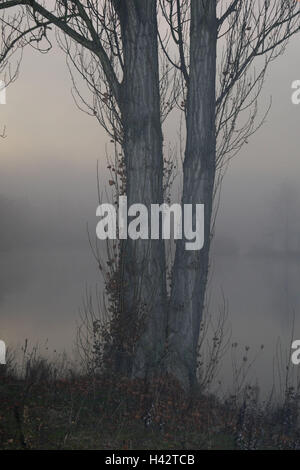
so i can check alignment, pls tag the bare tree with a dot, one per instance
(220, 111)
(7, 73)
(114, 45)
(208, 48)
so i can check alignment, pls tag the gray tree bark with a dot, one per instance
(143, 294)
(191, 267)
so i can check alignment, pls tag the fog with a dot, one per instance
(48, 194)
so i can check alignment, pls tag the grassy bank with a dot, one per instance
(44, 411)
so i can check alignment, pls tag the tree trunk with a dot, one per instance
(143, 298)
(191, 267)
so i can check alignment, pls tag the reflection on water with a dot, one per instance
(42, 293)
(263, 301)
(46, 303)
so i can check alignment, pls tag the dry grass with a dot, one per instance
(43, 411)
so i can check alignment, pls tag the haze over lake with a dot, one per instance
(48, 193)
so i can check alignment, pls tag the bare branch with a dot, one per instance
(94, 44)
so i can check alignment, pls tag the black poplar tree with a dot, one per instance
(141, 59)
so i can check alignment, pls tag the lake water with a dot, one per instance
(42, 292)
